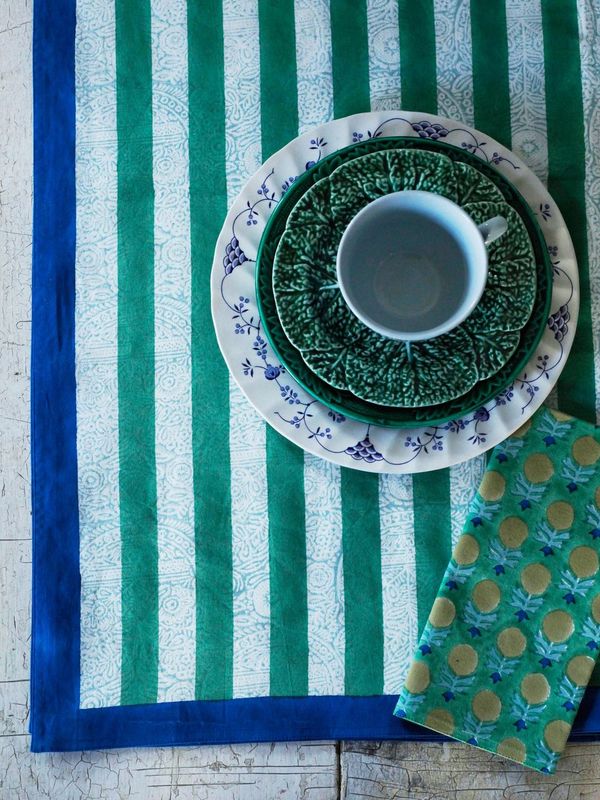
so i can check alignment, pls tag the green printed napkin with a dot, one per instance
(513, 635)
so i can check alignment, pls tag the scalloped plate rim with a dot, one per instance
(355, 444)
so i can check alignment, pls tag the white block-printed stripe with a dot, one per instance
(384, 55)
(527, 84)
(172, 329)
(96, 277)
(313, 63)
(324, 576)
(398, 578)
(589, 39)
(464, 480)
(322, 480)
(249, 506)
(454, 66)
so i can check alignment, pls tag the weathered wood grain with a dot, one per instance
(452, 771)
(15, 614)
(15, 255)
(15, 291)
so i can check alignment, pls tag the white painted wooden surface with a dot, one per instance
(312, 771)
(452, 771)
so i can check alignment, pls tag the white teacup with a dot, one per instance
(413, 265)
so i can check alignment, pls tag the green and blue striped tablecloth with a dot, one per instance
(218, 561)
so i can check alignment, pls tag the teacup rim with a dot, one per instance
(474, 295)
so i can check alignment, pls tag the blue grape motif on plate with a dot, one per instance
(430, 130)
(234, 256)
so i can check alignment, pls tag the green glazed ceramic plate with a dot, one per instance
(347, 354)
(344, 402)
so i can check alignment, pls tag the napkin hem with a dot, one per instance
(464, 739)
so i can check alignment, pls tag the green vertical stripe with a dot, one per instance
(566, 184)
(361, 543)
(491, 85)
(431, 490)
(287, 567)
(433, 536)
(285, 461)
(489, 47)
(278, 79)
(417, 55)
(210, 379)
(137, 472)
(349, 57)
(363, 604)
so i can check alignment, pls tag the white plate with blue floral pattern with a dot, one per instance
(301, 418)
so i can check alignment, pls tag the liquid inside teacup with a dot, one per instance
(412, 265)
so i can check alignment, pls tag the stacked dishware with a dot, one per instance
(403, 282)
(394, 293)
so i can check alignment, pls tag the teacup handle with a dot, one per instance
(493, 229)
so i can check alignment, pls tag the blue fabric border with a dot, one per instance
(56, 722)
(252, 720)
(55, 603)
